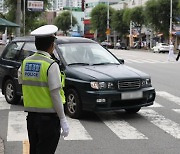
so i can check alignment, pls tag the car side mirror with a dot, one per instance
(121, 61)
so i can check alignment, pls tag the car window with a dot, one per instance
(164, 44)
(27, 50)
(89, 53)
(12, 51)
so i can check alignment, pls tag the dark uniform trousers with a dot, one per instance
(178, 56)
(43, 132)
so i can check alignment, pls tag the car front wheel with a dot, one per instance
(133, 110)
(73, 104)
(10, 93)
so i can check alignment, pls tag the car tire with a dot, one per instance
(73, 106)
(10, 92)
(133, 110)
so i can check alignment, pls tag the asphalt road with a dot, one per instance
(154, 130)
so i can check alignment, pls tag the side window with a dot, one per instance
(13, 50)
(27, 50)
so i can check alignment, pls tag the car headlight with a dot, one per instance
(102, 85)
(146, 82)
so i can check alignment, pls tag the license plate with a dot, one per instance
(131, 95)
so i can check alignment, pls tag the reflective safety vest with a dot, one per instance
(36, 94)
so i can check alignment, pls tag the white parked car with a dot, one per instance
(161, 47)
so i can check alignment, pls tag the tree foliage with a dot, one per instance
(63, 21)
(157, 14)
(31, 18)
(137, 16)
(118, 24)
(99, 19)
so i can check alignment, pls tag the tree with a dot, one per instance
(63, 21)
(99, 19)
(118, 24)
(137, 16)
(31, 17)
(157, 14)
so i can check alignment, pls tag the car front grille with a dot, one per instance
(129, 84)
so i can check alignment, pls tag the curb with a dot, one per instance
(1, 146)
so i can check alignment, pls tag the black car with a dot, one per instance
(95, 79)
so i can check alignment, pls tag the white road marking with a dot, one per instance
(1, 95)
(77, 131)
(135, 61)
(121, 128)
(169, 96)
(17, 126)
(160, 121)
(156, 105)
(3, 104)
(176, 110)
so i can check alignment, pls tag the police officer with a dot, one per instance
(43, 97)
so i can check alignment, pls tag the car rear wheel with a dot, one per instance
(73, 104)
(10, 92)
(133, 110)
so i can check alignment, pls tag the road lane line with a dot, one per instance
(155, 105)
(176, 110)
(160, 121)
(77, 131)
(169, 96)
(4, 105)
(17, 126)
(121, 128)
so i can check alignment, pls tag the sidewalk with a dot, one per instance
(1, 146)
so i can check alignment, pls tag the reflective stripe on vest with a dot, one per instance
(36, 92)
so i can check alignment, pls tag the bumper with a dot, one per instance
(112, 100)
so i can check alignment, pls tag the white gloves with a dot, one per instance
(65, 127)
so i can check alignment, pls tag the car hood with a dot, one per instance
(108, 72)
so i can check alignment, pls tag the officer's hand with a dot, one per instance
(65, 127)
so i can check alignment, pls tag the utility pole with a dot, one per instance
(24, 18)
(108, 22)
(170, 27)
(71, 14)
(130, 35)
(18, 17)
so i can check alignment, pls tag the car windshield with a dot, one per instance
(86, 54)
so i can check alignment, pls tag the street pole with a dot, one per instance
(107, 21)
(170, 29)
(71, 16)
(130, 35)
(24, 23)
(18, 17)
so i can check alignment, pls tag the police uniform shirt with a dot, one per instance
(54, 83)
(54, 80)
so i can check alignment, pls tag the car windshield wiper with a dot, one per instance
(84, 64)
(106, 63)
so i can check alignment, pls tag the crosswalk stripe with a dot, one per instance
(17, 126)
(155, 105)
(77, 131)
(128, 60)
(1, 95)
(3, 104)
(121, 128)
(169, 96)
(160, 121)
(133, 60)
(176, 110)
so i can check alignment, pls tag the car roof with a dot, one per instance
(59, 40)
